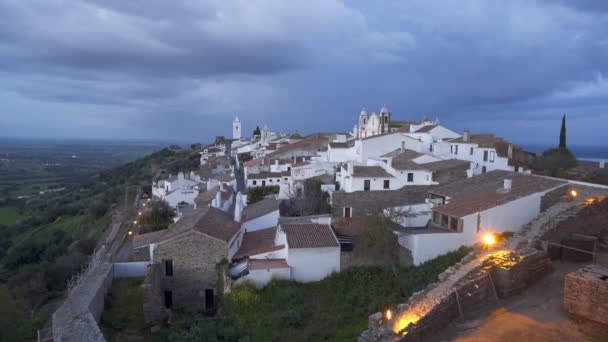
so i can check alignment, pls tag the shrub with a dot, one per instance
(259, 193)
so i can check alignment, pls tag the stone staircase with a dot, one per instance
(547, 220)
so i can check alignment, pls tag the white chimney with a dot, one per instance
(602, 164)
(507, 184)
(238, 208)
(180, 175)
(466, 136)
(217, 203)
(510, 151)
(350, 168)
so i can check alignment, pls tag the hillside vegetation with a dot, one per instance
(55, 234)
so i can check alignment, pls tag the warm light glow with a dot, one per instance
(130, 232)
(139, 213)
(389, 315)
(489, 239)
(404, 320)
(573, 193)
(135, 222)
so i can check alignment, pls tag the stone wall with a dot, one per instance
(552, 197)
(451, 174)
(514, 273)
(140, 254)
(370, 202)
(154, 309)
(194, 257)
(76, 320)
(585, 293)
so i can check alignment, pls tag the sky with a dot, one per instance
(181, 70)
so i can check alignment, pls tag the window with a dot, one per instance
(279, 180)
(456, 149)
(387, 184)
(444, 220)
(348, 212)
(451, 149)
(471, 152)
(436, 217)
(431, 147)
(168, 267)
(366, 185)
(263, 183)
(483, 169)
(516, 168)
(453, 224)
(492, 154)
(410, 176)
(255, 182)
(209, 299)
(168, 299)
(485, 156)
(478, 222)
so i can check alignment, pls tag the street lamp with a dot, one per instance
(489, 240)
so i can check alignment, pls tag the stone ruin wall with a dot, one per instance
(585, 293)
(481, 286)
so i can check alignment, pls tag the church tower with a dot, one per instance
(236, 129)
(385, 119)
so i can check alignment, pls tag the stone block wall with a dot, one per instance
(153, 307)
(140, 254)
(195, 257)
(370, 202)
(552, 197)
(585, 293)
(513, 276)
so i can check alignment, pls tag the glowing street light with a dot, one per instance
(388, 315)
(130, 232)
(573, 193)
(135, 222)
(489, 239)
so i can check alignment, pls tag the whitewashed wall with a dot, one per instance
(130, 269)
(262, 277)
(313, 264)
(269, 220)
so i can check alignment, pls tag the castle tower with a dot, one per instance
(236, 129)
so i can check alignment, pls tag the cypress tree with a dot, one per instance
(257, 131)
(562, 134)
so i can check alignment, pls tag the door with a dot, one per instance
(347, 212)
(366, 185)
(263, 183)
(209, 299)
(168, 299)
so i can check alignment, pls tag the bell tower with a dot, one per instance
(236, 129)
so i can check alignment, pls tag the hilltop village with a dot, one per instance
(286, 206)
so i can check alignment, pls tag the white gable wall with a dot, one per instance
(313, 264)
(269, 220)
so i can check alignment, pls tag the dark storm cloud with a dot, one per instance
(183, 69)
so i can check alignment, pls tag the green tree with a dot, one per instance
(257, 131)
(562, 133)
(159, 217)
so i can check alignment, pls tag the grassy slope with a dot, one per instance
(9, 215)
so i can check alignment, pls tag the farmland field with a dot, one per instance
(9, 215)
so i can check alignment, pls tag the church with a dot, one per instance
(374, 124)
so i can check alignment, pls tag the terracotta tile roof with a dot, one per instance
(224, 177)
(309, 140)
(206, 220)
(227, 193)
(346, 144)
(408, 154)
(370, 171)
(260, 208)
(486, 191)
(204, 198)
(264, 175)
(406, 164)
(257, 242)
(426, 129)
(309, 235)
(266, 264)
(253, 162)
(446, 164)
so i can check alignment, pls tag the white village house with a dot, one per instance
(459, 213)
